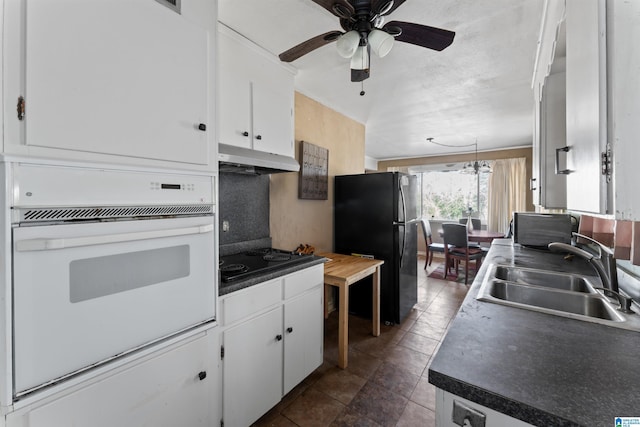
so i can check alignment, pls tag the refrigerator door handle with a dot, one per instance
(404, 239)
(404, 227)
(404, 204)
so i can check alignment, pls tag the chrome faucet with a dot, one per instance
(604, 263)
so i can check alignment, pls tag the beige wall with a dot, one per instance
(292, 220)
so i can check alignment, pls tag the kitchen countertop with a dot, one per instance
(539, 368)
(228, 287)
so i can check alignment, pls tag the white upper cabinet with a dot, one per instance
(553, 139)
(586, 105)
(549, 132)
(255, 96)
(603, 88)
(602, 81)
(624, 111)
(131, 79)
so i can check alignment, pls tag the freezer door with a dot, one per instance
(407, 188)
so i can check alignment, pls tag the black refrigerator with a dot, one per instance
(376, 215)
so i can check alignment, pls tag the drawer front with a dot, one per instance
(302, 281)
(174, 388)
(246, 302)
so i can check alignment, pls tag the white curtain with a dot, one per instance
(507, 192)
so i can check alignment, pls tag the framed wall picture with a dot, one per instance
(313, 180)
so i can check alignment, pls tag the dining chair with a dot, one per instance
(430, 247)
(457, 248)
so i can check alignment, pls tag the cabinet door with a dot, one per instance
(586, 106)
(537, 165)
(273, 118)
(252, 368)
(553, 187)
(116, 77)
(303, 331)
(255, 97)
(173, 389)
(623, 59)
(234, 92)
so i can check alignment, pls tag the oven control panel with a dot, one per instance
(49, 185)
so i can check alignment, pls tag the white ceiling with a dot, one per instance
(477, 88)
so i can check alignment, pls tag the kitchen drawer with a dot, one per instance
(302, 281)
(250, 301)
(175, 387)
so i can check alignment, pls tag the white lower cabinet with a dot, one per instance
(272, 338)
(175, 387)
(303, 337)
(252, 368)
(454, 411)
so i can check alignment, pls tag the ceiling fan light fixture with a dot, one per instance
(381, 42)
(348, 43)
(360, 61)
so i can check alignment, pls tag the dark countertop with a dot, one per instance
(536, 367)
(225, 288)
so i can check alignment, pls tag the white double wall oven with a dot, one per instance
(105, 262)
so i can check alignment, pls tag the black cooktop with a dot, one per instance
(257, 261)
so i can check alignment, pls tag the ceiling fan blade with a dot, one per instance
(378, 5)
(337, 7)
(422, 35)
(309, 45)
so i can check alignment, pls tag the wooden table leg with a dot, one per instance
(376, 302)
(327, 293)
(343, 327)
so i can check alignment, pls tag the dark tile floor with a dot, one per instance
(386, 381)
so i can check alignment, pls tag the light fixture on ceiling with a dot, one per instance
(365, 30)
(474, 167)
(379, 41)
(357, 45)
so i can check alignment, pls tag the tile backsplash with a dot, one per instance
(244, 205)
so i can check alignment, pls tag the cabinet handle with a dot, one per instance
(558, 151)
(278, 337)
(202, 127)
(531, 186)
(245, 133)
(202, 375)
(20, 108)
(258, 136)
(289, 329)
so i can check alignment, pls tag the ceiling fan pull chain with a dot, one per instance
(362, 88)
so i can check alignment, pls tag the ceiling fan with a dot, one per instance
(362, 21)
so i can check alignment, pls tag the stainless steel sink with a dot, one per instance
(560, 294)
(529, 276)
(570, 302)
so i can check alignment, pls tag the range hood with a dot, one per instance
(252, 162)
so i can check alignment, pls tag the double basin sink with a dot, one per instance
(561, 294)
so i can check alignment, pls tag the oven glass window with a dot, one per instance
(106, 275)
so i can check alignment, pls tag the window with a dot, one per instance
(446, 192)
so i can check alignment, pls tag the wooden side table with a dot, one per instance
(342, 271)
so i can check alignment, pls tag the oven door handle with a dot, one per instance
(74, 242)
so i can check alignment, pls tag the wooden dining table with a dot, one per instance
(342, 271)
(484, 236)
